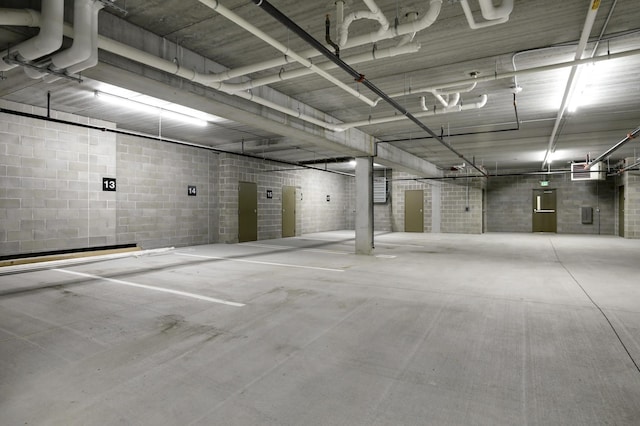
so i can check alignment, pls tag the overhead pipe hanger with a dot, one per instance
(286, 21)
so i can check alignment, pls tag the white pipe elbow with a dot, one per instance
(491, 12)
(49, 39)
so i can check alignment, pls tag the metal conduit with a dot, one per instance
(610, 151)
(360, 78)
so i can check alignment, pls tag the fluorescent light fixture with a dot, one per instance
(549, 157)
(149, 105)
(352, 163)
(580, 95)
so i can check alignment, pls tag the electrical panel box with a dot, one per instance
(587, 215)
(380, 190)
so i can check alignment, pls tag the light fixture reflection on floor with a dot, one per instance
(165, 111)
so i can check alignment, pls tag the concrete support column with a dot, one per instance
(436, 207)
(364, 205)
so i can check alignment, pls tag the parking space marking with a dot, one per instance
(149, 287)
(258, 262)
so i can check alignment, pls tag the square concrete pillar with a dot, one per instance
(364, 205)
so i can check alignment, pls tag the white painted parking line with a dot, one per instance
(286, 265)
(341, 253)
(149, 287)
(375, 242)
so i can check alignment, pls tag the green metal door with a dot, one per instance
(413, 210)
(288, 211)
(621, 211)
(544, 210)
(247, 211)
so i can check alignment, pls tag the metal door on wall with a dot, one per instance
(247, 211)
(621, 211)
(413, 210)
(288, 211)
(544, 210)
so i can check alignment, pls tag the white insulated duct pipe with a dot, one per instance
(85, 30)
(20, 17)
(571, 82)
(435, 90)
(490, 10)
(48, 39)
(474, 105)
(408, 38)
(447, 102)
(408, 28)
(92, 60)
(215, 5)
(374, 13)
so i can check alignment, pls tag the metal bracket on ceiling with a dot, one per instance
(61, 74)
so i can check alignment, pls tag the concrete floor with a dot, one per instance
(435, 329)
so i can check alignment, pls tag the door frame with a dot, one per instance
(247, 220)
(288, 195)
(540, 207)
(419, 213)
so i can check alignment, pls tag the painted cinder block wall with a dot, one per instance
(509, 204)
(51, 195)
(632, 203)
(154, 208)
(450, 205)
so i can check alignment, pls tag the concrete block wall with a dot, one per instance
(51, 194)
(462, 205)
(509, 204)
(268, 176)
(632, 204)
(398, 186)
(154, 208)
(320, 215)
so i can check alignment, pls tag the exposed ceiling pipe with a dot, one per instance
(283, 19)
(215, 5)
(18, 17)
(356, 59)
(493, 15)
(92, 60)
(374, 13)
(48, 39)
(630, 136)
(85, 30)
(408, 38)
(435, 90)
(491, 12)
(169, 67)
(482, 101)
(572, 81)
(629, 167)
(445, 102)
(407, 28)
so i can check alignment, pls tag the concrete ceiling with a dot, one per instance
(188, 33)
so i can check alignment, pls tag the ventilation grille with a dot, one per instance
(595, 172)
(380, 190)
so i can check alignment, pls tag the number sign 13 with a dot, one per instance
(108, 184)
